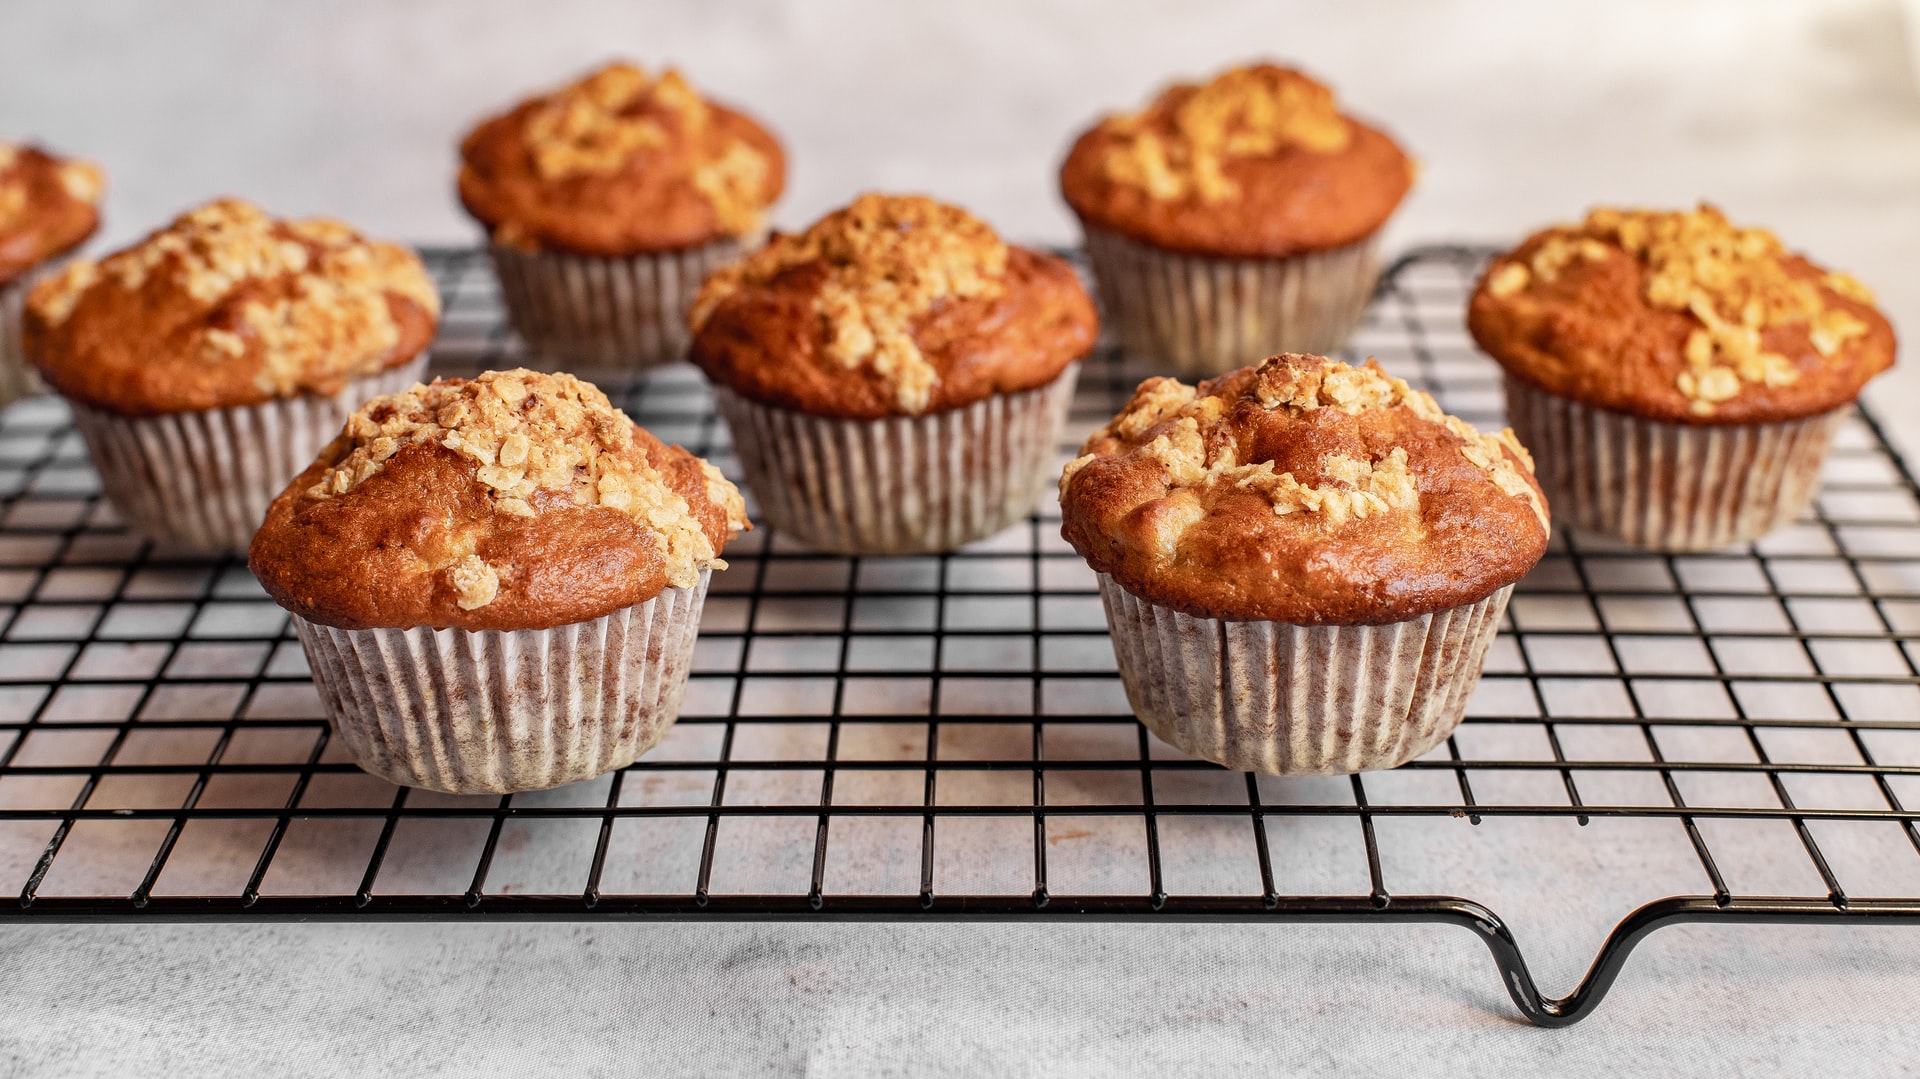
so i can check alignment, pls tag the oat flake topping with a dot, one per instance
(1731, 280)
(80, 180)
(1182, 424)
(596, 125)
(1176, 147)
(528, 432)
(890, 259)
(333, 318)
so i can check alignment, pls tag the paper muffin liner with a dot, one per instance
(1669, 486)
(496, 711)
(1204, 316)
(902, 485)
(1299, 700)
(580, 311)
(202, 481)
(17, 378)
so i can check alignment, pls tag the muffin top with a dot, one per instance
(48, 206)
(1258, 163)
(620, 163)
(228, 307)
(1679, 316)
(896, 305)
(514, 500)
(1304, 491)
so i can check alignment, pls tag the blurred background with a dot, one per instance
(1803, 115)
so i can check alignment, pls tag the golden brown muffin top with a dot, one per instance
(620, 163)
(514, 500)
(895, 305)
(1679, 316)
(227, 307)
(1259, 162)
(48, 206)
(1304, 491)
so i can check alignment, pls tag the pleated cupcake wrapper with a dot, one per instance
(1299, 700)
(903, 485)
(17, 377)
(1669, 486)
(495, 711)
(578, 311)
(1202, 315)
(202, 481)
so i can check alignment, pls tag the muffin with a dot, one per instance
(208, 363)
(1679, 377)
(1302, 563)
(48, 207)
(1234, 219)
(608, 202)
(497, 581)
(895, 377)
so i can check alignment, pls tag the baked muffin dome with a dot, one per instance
(228, 307)
(1258, 162)
(1302, 491)
(895, 305)
(515, 500)
(620, 162)
(48, 206)
(1679, 316)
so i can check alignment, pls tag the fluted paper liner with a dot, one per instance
(1669, 486)
(1202, 315)
(1299, 700)
(583, 311)
(903, 485)
(17, 377)
(203, 481)
(495, 711)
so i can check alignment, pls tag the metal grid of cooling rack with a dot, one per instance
(1728, 736)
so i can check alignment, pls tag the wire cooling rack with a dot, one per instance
(1731, 736)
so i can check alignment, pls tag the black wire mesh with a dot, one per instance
(1732, 735)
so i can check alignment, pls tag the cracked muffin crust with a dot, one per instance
(515, 500)
(895, 305)
(1679, 316)
(619, 163)
(1303, 491)
(1258, 162)
(48, 206)
(227, 307)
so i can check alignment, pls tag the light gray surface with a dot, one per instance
(1802, 115)
(967, 1000)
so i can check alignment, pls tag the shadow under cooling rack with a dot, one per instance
(1729, 736)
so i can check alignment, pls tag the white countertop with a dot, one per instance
(1801, 115)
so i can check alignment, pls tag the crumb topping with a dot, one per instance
(79, 180)
(1177, 147)
(732, 184)
(595, 126)
(889, 259)
(1183, 431)
(82, 181)
(1731, 280)
(475, 582)
(528, 433)
(332, 316)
